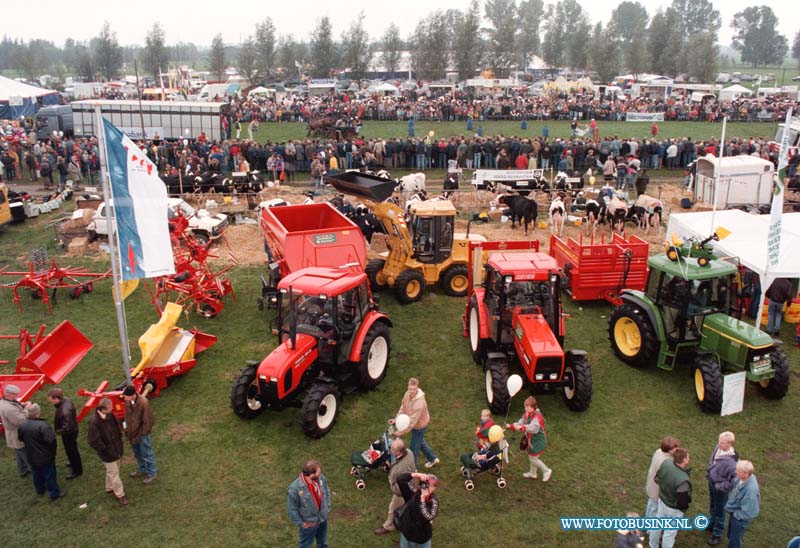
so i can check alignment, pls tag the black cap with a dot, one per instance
(129, 391)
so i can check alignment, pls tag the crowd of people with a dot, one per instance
(459, 105)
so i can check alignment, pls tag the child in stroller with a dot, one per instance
(377, 457)
(489, 458)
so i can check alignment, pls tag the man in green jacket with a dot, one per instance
(674, 495)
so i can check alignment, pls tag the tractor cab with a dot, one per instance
(432, 223)
(327, 304)
(688, 292)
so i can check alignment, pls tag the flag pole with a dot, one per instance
(113, 244)
(717, 169)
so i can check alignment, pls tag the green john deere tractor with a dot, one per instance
(685, 313)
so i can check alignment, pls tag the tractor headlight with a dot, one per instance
(539, 376)
(273, 379)
(508, 279)
(553, 376)
(263, 378)
(553, 278)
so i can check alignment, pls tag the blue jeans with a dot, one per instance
(418, 442)
(420, 161)
(667, 536)
(774, 313)
(405, 543)
(318, 532)
(651, 509)
(736, 532)
(44, 477)
(717, 510)
(476, 160)
(145, 456)
(348, 158)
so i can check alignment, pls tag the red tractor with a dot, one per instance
(514, 317)
(332, 339)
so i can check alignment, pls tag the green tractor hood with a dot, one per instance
(722, 325)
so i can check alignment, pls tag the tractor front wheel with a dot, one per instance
(578, 392)
(632, 335)
(245, 400)
(320, 409)
(708, 383)
(476, 345)
(496, 384)
(409, 286)
(373, 267)
(455, 281)
(374, 358)
(776, 387)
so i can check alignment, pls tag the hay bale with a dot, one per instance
(77, 246)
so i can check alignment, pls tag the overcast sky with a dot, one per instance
(198, 22)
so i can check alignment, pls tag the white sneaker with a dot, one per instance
(432, 463)
(546, 476)
(529, 475)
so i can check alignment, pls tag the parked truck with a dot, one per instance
(161, 119)
(307, 235)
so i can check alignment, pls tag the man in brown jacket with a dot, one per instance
(105, 437)
(138, 425)
(403, 464)
(415, 406)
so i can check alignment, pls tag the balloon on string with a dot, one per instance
(514, 385)
(496, 433)
(186, 132)
(401, 422)
(431, 133)
(185, 142)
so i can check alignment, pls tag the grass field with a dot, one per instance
(222, 481)
(277, 132)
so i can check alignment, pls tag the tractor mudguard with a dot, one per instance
(483, 314)
(575, 352)
(358, 342)
(645, 303)
(286, 367)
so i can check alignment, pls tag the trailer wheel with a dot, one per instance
(578, 392)
(776, 387)
(373, 267)
(374, 356)
(320, 408)
(201, 238)
(632, 336)
(455, 280)
(245, 400)
(476, 345)
(708, 383)
(75, 292)
(496, 387)
(409, 286)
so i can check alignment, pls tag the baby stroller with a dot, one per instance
(489, 459)
(377, 457)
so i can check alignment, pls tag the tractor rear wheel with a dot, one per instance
(374, 356)
(632, 335)
(496, 384)
(245, 400)
(373, 267)
(455, 280)
(320, 409)
(708, 383)
(476, 345)
(776, 387)
(409, 286)
(578, 393)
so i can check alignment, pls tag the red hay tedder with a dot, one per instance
(596, 271)
(77, 280)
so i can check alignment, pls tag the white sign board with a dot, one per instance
(136, 132)
(644, 117)
(15, 101)
(733, 393)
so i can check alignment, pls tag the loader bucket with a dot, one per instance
(55, 355)
(362, 185)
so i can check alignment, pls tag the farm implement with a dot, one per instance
(167, 351)
(45, 359)
(43, 284)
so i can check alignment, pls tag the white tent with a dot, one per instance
(386, 88)
(733, 92)
(747, 240)
(18, 99)
(260, 90)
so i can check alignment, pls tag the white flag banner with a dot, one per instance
(140, 209)
(776, 211)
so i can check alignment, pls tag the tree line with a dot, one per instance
(501, 35)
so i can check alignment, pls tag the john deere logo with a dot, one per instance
(324, 239)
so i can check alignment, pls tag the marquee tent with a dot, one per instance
(733, 92)
(18, 99)
(747, 240)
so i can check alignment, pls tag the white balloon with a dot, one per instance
(401, 421)
(514, 385)
(60, 133)
(55, 133)
(185, 143)
(186, 132)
